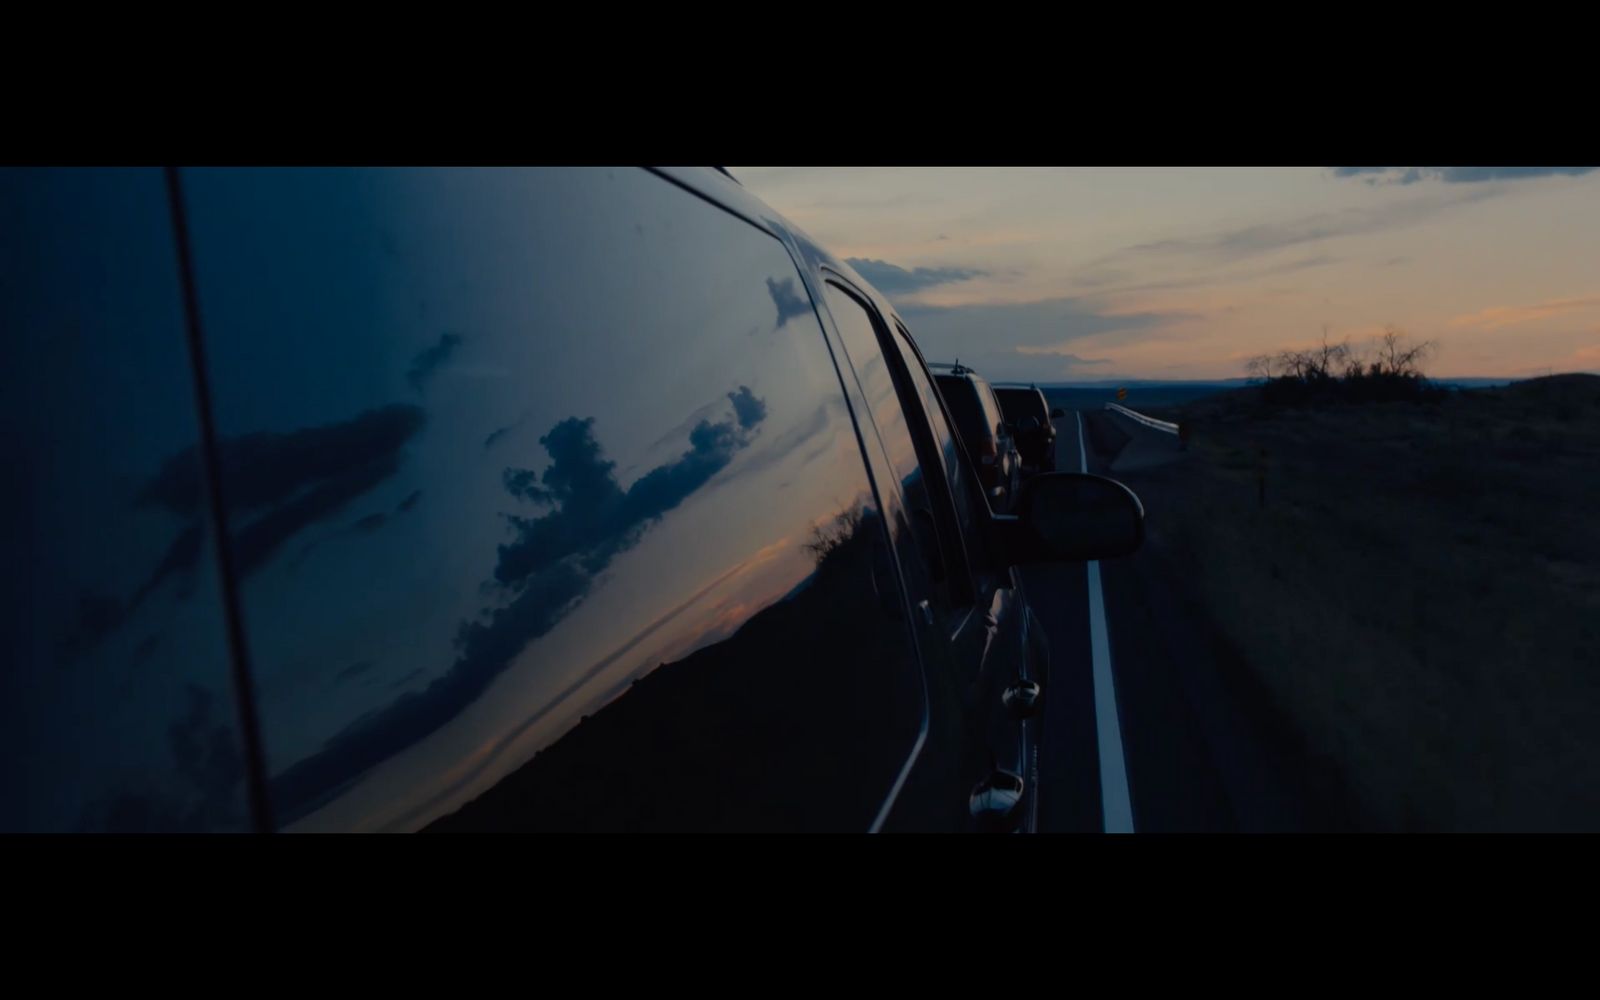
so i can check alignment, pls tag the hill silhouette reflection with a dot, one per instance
(799, 720)
(549, 568)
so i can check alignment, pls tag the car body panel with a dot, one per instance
(471, 594)
(118, 703)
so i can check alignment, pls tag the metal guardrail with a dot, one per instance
(1160, 425)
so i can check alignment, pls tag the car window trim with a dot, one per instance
(962, 582)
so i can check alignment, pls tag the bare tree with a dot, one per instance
(1294, 364)
(1388, 367)
(826, 540)
(1397, 358)
(1261, 367)
(1327, 360)
(1355, 363)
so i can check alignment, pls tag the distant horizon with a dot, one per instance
(1183, 274)
(1242, 380)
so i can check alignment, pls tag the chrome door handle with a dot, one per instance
(1022, 699)
(994, 800)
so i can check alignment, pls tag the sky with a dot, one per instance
(1085, 274)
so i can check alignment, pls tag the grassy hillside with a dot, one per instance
(1420, 593)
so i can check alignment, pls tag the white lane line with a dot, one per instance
(1115, 804)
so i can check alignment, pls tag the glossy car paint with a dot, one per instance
(553, 499)
(119, 711)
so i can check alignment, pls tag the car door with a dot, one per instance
(993, 636)
(978, 767)
(547, 506)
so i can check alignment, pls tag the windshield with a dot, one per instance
(1019, 403)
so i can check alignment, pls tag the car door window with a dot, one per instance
(971, 505)
(992, 413)
(957, 472)
(859, 331)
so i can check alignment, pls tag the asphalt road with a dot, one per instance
(1151, 724)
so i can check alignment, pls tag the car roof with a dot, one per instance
(718, 186)
(944, 369)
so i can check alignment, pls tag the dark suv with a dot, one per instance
(983, 429)
(1030, 418)
(330, 510)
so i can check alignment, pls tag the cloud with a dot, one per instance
(1455, 175)
(779, 449)
(1105, 283)
(302, 478)
(1585, 358)
(866, 202)
(500, 432)
(496, 435)
(1017, 324)
(407, 679)
(997, 339)
(1071, 359)
(593, 515)
(789, 301)
(1021, 341)
(289, 480)
(206, 757)
(747, 408)
(264, 469)
(1287, 267)
(431, 359)
(354, 670)
(1045, 364)
(367, 525)
(1267, 237)
(767, 174)
(1500, 316)
(362, 526)
(255, 543)
(891, 279)
(550, 566)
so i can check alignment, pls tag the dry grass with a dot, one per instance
(1421, 594)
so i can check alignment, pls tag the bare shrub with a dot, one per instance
(1387, 368)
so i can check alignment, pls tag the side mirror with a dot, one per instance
(1057, 413)
(1069, 517)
